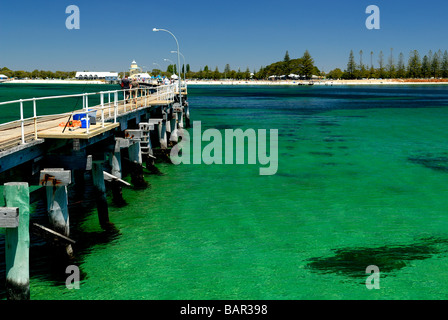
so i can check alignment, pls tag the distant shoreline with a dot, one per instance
(317, 82)
(262, 82)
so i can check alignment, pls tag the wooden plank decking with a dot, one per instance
(49, 126)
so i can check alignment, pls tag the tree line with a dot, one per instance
(303, 67)
(432, 65)
(37, 74)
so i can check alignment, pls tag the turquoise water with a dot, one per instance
(362, 180)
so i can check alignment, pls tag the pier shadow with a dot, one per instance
(352, 262)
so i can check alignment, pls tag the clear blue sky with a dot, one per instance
(242, 33)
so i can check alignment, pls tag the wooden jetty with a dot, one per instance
(128, 129)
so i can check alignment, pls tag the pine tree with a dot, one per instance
(444, 66)
(286, 64)
(426, 67)
(381, 73)
(414, 65)
(351, 66)
(391, 66)
(401, 68)
(226, 71)
(216, 74)
(372, 70)
(307, 65)
(435, 66)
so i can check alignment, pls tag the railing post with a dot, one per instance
(146, 97)
(35, 118)
(22, 121)
(109, 104)
(102, 108)
(131, 94)
(115, 106)
(124, 99)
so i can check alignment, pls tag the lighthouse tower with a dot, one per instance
(134, 68)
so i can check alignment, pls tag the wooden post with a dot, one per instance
(166, 114)
(116, 160)
(180, 115)
(161, 129)
(174, 136)
(135, 158)
(79, 178)
(17, 241)
(100, 193)
(117, 192)
(56, 182)
(187, 115)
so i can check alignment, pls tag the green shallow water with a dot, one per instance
(362, 180)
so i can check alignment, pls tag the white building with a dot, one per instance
(108, 76)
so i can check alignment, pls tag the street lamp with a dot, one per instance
(178, 60)
(185, 79)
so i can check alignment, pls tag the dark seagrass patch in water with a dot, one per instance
(352, 262)
(431, 161)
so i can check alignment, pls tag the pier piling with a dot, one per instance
(100, 193)
(161, 130)
(174, 134)
(136, 161)
(167, 115)
(56, 182)
(17, 242)
(187, 114)
(117, 194)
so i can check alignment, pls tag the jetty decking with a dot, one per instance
(26, 130)
(127, 129)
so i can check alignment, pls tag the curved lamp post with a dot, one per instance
(178, 61)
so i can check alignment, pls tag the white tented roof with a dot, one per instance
(2, 76)
(96, 74)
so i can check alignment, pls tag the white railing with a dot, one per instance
(111, 106)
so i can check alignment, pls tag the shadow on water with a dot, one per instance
(49, 262)
(352, 262)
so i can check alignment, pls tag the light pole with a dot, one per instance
(178, 60)
(185, 79)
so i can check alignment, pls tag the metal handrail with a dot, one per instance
(165, 92)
